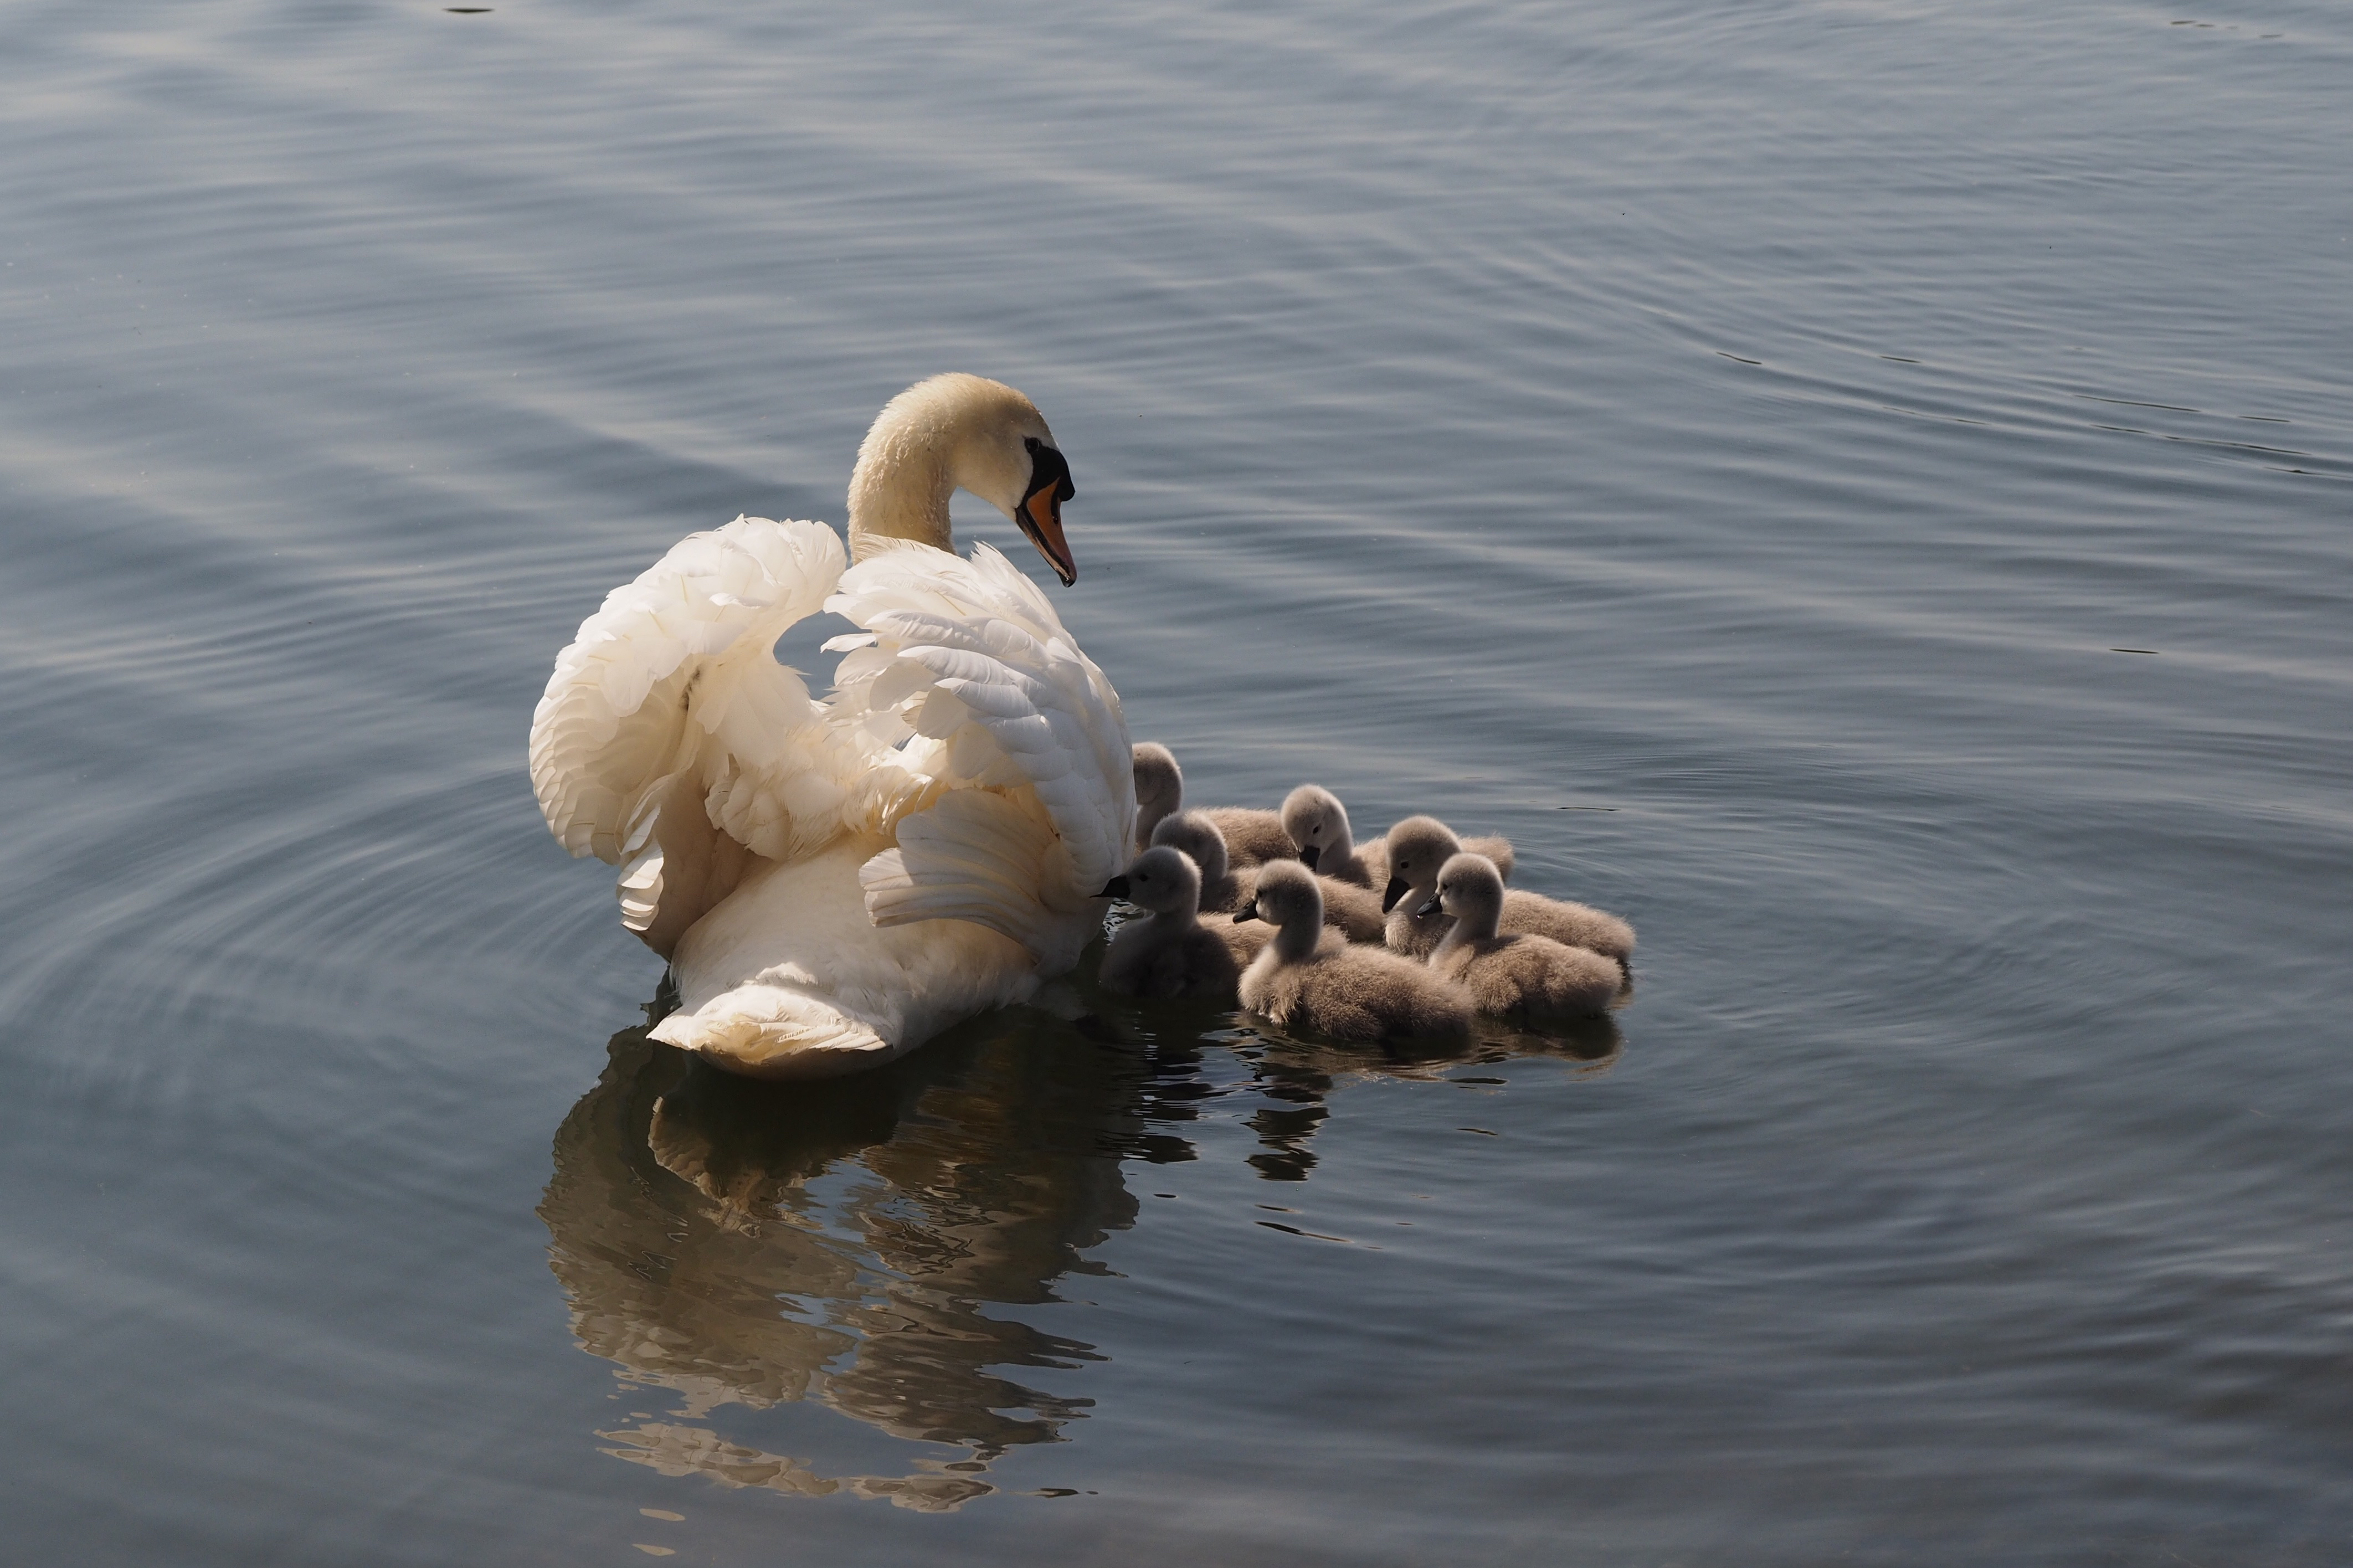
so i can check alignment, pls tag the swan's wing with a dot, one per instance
(1021, 736)
(672, 695)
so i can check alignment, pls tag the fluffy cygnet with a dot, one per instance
(1305, 980)
(1533, 977)
(1194, 833)
(1168, 953)
(1318, 824)
(1252, 836)
(1419, 849)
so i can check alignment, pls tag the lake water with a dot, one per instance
(1861, 487)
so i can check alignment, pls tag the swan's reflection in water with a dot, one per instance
(866, 1246)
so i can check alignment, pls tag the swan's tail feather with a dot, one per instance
(777, 1031)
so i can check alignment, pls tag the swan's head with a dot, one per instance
(1318, 824)
(1198, 837)
(1286, 894)
(1471, 891)
(970, 433)
(1159, 785)
(1162, 879)
(1417, 847)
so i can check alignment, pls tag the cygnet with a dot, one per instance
(1168, 953)
(1318, 824)
(1252, 836)
(1531, 977)
(1419, 847)
(1193, 832)
(1306, 981)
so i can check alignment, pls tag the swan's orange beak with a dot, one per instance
(1040, 511)
(1041, 519)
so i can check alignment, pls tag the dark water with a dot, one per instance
(1729, 449)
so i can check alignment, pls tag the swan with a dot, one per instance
(1526, 976)
(1315, 821)
(835, 881)
(1168, 953)
(1252, 836)
(1419, 849)
(1306, 980)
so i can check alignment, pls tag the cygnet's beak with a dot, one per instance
(1307, 855)
(1040, 513)
(1395, 889)
(1114, 888)
(1247, 913)
(1426, 910)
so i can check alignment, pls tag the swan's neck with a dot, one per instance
(1296, 939)
(899, 489)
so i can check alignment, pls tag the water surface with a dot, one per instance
(1734, 450)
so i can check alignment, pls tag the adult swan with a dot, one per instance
(834, 882)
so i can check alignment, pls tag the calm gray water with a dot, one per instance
(1727, 447)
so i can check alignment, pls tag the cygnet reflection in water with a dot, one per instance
(842, 1244)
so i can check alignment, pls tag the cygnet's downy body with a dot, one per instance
(1533, 978)
(1168, 953)
(1252, 836)
(1419, 849)
(1306, 981)
(1318, 824)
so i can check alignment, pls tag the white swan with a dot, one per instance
(835, 882)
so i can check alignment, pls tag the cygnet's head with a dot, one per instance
(1286, 891)
(1196, 835)
(1161, 879)
(1418, 846)
(992, 441)
(1471, 891)
(1317, 823)
(1159, 782)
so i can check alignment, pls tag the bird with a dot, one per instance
(1528, 977)
(1168, 953)
(1419, 849)
(1194, 833)
(1252, 836)
(1317, 824)
(834, 881)
(1306, 980)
